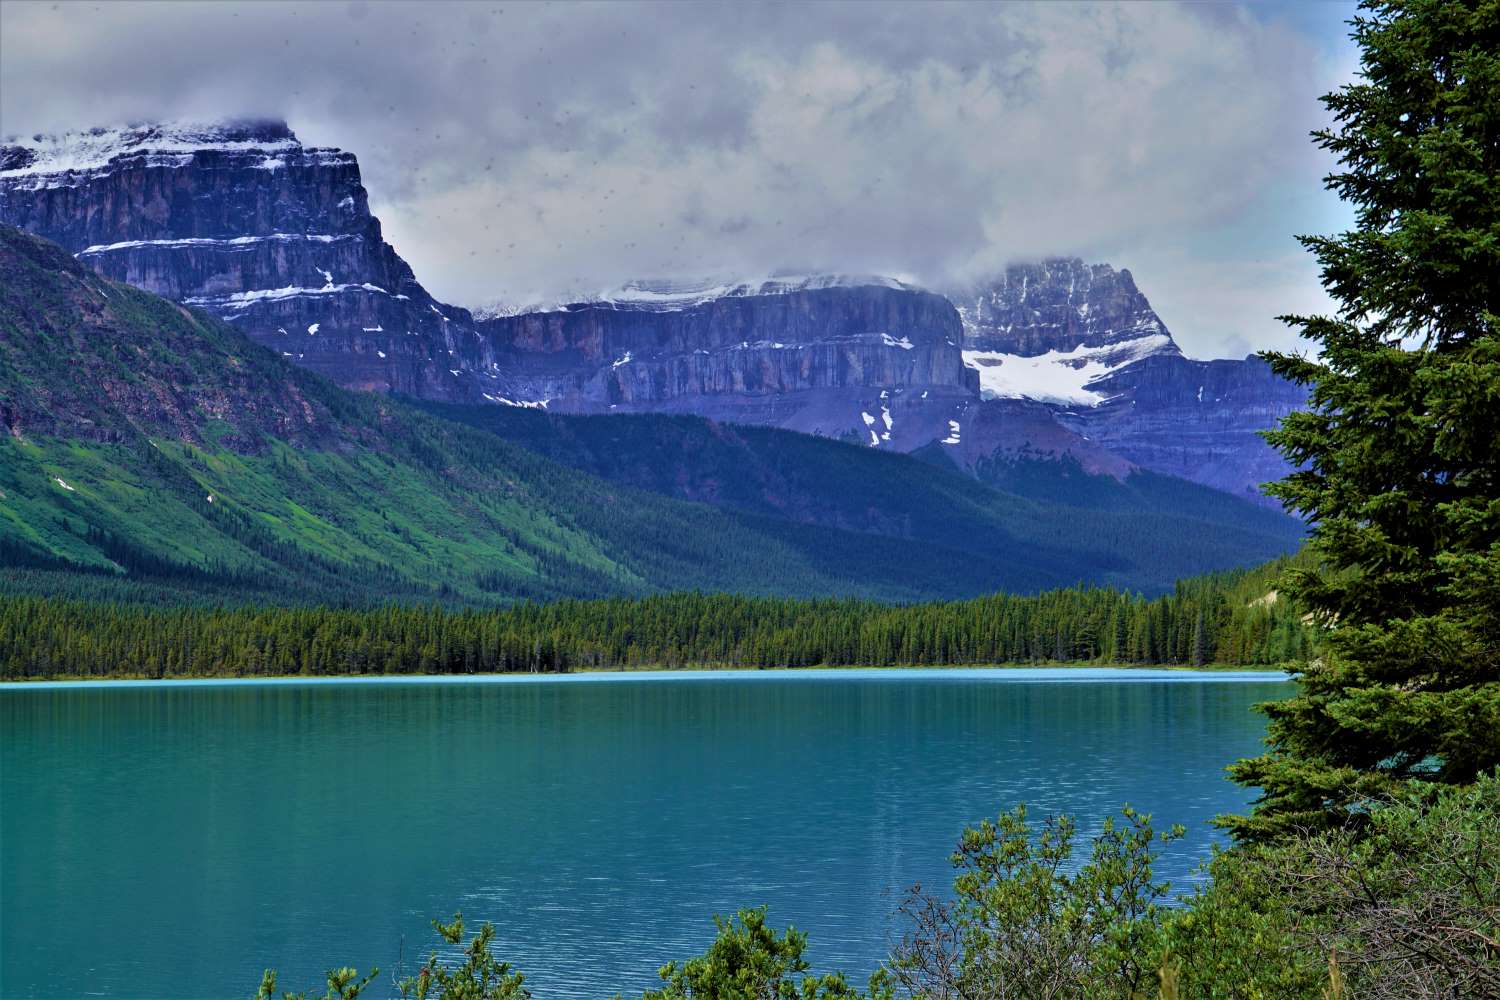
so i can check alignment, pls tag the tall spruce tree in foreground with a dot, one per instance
(1399, 451)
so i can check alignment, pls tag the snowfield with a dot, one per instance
(669, 295)
(1062, 377)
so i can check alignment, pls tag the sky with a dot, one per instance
(524, 153)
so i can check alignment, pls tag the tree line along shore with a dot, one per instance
(1225, 619)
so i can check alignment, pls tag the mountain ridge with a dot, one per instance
(244, 221)
(142, 435)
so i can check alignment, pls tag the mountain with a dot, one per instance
(813, 480)
(1054, 358)
(243, 221)
(1085, 340)
(1060, 306)
(857, 358)
(1199, 420)
(1048, 330)
(148, 441)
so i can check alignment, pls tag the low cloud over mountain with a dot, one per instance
(538, 150)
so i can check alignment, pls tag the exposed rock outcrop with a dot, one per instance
(242, 220)
(809, 354)
(1058, 304)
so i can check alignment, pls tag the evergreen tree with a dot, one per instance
(1398, 455)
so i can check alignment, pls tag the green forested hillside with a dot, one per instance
(1064, 480)
(1145, 532)
(153, 453)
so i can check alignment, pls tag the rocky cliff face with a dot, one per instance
(809, 353)
(1051, 358)
(1198, 420)
(242, 220)
(1058, 305)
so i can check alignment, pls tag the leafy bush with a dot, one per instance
(749, 961)
(1022, 926)
(1406, 904)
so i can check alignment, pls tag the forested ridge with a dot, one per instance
(1226, 618)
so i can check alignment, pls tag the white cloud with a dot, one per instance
(554, 148)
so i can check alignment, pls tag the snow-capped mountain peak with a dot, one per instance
(1051, 329)
(1058, 304)
(45, 155)
(671, 294)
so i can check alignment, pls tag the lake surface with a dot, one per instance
(172, 840)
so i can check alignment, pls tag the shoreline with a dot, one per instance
(1068, 673)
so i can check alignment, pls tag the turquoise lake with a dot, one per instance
(174, 839)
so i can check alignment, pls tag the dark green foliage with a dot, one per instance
(1400, 450)
(1409, 909)
(1024, 923)
(1226, 618)
(750, 961)
(480, 976)
(1405, 906)
(342, 984)
(1419, 151)
(1064, 480)
(1141, 533)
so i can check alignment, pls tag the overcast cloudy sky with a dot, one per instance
(523, 151)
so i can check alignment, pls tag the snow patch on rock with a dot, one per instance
(48, 159)
(540, 404)
(1057, 376)
(243, 300)
(669, 295)
(237, 243)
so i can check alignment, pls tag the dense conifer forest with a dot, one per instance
(1226, 618)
